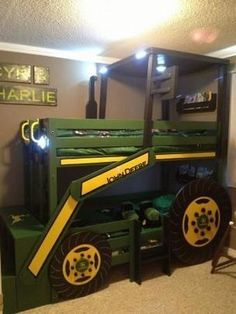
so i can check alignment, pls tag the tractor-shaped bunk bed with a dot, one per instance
(104, 192)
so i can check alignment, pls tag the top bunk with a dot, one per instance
(168, 133)
(73, 142)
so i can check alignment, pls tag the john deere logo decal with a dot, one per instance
(17, 218)
(127, 171)
(109, 176)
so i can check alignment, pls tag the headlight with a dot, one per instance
(43, 142)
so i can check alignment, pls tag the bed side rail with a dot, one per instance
(171, 133)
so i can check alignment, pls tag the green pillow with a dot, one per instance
(163, 203)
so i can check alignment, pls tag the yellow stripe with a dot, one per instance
(52, 235)
(97, 160)
(185, 155)
(100, 180)
(100, 160)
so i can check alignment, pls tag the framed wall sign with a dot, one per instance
(15, 73)
(41, 75)
(28, 95)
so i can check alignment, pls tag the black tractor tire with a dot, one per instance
(80, 265)
(199, 217)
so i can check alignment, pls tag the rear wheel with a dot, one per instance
(198, 218)
(80, 265)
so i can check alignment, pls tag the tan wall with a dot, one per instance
(66, 76)
(125, 98)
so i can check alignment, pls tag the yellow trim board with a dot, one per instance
(185, 155)
(97, 160)
(103, 160)
(52, 235)
(100, 160)
(115, 173)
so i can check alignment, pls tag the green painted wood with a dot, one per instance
(97, 142)
(108, 227)
(91, 124)
(185, 125)
(52, 169)
(176, 140)
(33, 295)
(9, 294)
(162, 140)
(117, 243)
(22, 248)
(22, 235)
(27, 227)
(99, 124)
(52, 125)
(120, 259)
(151, 233)
(135, 254)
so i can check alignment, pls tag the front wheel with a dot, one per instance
(80, 265)
(198, 219)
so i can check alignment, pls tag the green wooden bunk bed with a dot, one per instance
(72, 230)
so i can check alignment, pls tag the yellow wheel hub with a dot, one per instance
(201, 221)
(81, 264)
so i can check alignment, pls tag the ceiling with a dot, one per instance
(116, 29)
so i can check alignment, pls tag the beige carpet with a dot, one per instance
(188, 290)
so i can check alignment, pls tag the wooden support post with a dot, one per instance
(103, 98)
(147, 136)
(222, 120)
(135, 257)
(166, 263)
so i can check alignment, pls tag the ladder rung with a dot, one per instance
(162, 90)
(162, 77)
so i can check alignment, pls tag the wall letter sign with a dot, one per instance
(28, 95)
(15, 73)
(41, 75)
